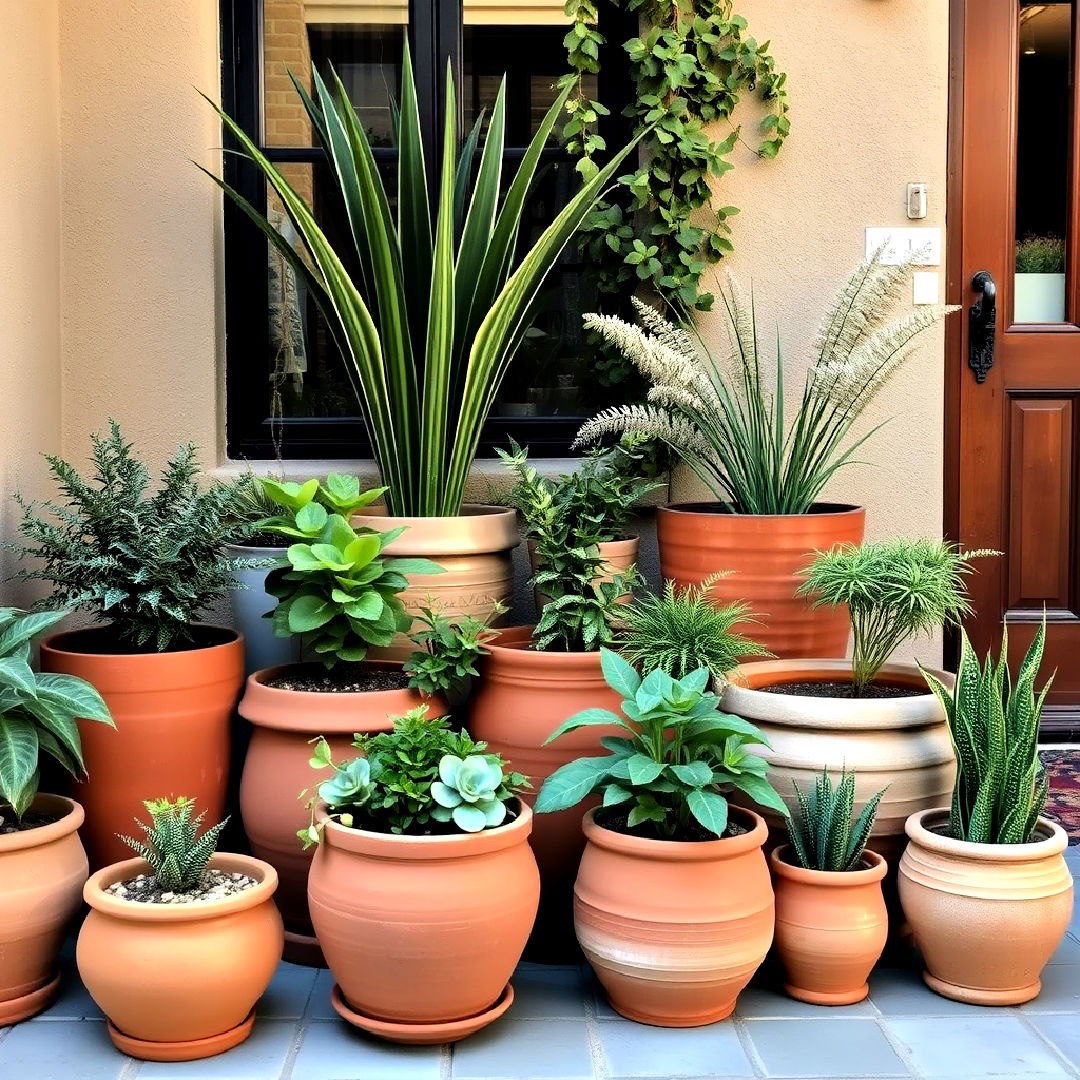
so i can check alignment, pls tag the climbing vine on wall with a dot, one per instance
(691, 63)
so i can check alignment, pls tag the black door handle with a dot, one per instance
(982, 317)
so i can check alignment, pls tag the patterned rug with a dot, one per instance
(1063, 803)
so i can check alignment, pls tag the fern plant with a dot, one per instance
(1001, 784)
(177, 854)
(822, 833)
(448, 651)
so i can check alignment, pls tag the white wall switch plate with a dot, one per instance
(901, 242)
(925, 287)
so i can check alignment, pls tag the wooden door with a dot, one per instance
(1014, 437)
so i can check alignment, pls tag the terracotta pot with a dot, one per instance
(475, 549)
(172, 712)
(262, 648)
(276, 770)
(900, 742)
(768, 554)
(986, 917)
(674, 931)
(618, 556)
(831, 928)
(42, 872)
(422, 933)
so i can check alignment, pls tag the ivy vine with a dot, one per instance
(691, 65)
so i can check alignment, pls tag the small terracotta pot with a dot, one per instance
(769, 554)
(831, 928)
(674, 931)
(422, 933)
(276, 770)
(475, 549)
(172, 712)
(986, 917)
(180, 981)
(618, 556)
(262, 647)
(42, 872)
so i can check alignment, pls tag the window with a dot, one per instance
(287, 387)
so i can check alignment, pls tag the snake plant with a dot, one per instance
(822, 833)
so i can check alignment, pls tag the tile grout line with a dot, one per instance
(1064, 1061)
(132, 1068)
(446, 1061)
(742, 1033)
(294, 1047)
(592, 1028)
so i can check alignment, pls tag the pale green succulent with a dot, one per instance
(467, 792)
(351, 784)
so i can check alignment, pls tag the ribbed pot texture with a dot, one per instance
(769, 554)
(42, 872)
(986, 917)
(674, 931)
(172, 712)
(831, 928)
(262, 648)
(618, 556)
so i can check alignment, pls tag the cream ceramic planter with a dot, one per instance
(986, 917)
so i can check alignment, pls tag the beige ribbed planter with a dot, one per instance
(986, 917)
(618, 556)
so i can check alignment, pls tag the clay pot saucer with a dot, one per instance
(191, 1050)
(21, 1008)
(421, 1034)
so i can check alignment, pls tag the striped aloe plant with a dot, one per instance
(822, 832)
(429, 325)
(1001, 784)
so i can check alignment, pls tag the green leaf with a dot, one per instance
(587, 718)
(761, 791)
(17, 673)
(308, 613)
(28, 627)
(78, 697)
(568, 785)
(709, 809)
(18, 758)
(695, 774)
(642, 769)
(619, 674)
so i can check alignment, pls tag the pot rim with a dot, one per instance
(132, 911)
(517, 650)
(468, 510)
(479, 529)
(45, 834)
(50, 644)
(829, 879)
(1054, 841)
(838, 510)
(680, 850)
(257, 548)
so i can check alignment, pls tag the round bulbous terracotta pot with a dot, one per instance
(277, 769)
(986, 917)
(422, 933)
(172, 711)
(831, 927)
(42, 872)
(769, 554)
(180, 981)
(674, 931)
(618, 556)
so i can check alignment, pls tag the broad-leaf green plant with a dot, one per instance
(339, 493)
(449, 648)
(822, 831)
(178, 855)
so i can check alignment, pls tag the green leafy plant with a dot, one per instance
(147, 564)
(302, 503)
(893, 589)
(682, 630)
(1040, 255)
(725, 418)
(1001, 784)
(37, 712)
(822, 833)
(679, 751)
(449, 650)
(419, 779)
(177, 854)
(432, 321)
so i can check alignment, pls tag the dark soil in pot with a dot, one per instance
(619, 822)
(9, 824)
(312, 678)
(874, 691)
(103, 641)
(725, 508)
(213, 885)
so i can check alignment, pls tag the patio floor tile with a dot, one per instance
(334, 1050)
(548, 992)
(318, 1006)
(287, 995)
(770, 1002)
(73, 1001)
(1068, 952)
(824, 1048)
(1062, 1032)
(633, 1049)
(526, 1050)
(260, 1057)
(902, 992)
(60, 1050)
(1060, 990)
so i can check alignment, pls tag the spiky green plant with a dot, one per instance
(822, 832)
(430, 324)
(1001, 784)
(177, 854)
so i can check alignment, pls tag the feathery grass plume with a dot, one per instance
(822, 833)
(724, 416)
(177, 854)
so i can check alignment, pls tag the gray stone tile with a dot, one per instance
(902, 992)
(318, 1006)
(337, 1051)
(548, 992)
(260, 1057)
(73, 1001)
(1060, 990)
(287, 995)
(636, 1050)
(60, 1050)
(525, 1050)
(1068, 952)
(824, 1048)
(1061, 1031)
(595, 989)
(973, 1046)
(762, 1002)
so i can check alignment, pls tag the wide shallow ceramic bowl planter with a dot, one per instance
(986, 917)
(422, 933)
(262, 647)
(769, 555)
(172, 710)
(674, 931)
(831, 928)
(42, 872)
(180, 981)
(617, 555)
(276, 770)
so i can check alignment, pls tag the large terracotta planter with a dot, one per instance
(986, 917)
(476, 551)
(422, 933)
(42, 872)
(180, 981)
(769, 554)
(831, 928)
(618, 556)
(276, 770)
(262, 648)
(900, 742)
(172, 712)
(674, 931)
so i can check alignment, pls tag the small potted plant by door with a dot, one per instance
(984, 881)
(831, 921)
(423, 889)
(673, 904)
(42, 862)
(723, 416)
(147, 566)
